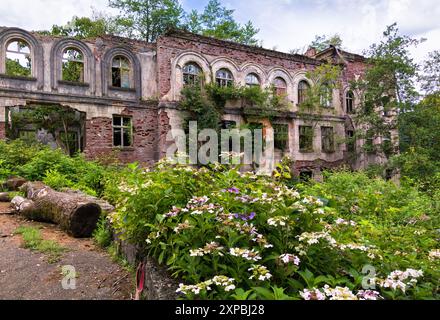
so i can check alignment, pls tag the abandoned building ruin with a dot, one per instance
(125, 93)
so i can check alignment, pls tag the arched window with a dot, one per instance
(224, 78)
(191, 74)
(303, 88)
(349, 102)
(280, 86)
(326, 96)
(121, 72)
(18, 59)
(252, 80)
(73, 65)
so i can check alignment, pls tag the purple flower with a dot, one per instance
(234, 190)
(245, 217)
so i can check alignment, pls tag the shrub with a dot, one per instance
(58, 170)
(56, 180)
(229, 235)
(103, 235)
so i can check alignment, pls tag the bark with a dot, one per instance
(23, 206)
(14, 183)
(4, 197)
(74, 213)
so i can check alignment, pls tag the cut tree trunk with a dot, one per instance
(23, 206)
(14, 183)
(74, 213)
(4, 197)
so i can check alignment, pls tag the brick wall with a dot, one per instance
(2, 131)
(168, 47)
(99, 137)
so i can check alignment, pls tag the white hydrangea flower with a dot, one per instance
(434, 254)
(290, 258)
(313, 294)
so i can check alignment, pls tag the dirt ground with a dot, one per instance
(25, 275)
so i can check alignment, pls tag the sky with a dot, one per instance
(283, 24)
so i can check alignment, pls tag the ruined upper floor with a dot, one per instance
(125, 70)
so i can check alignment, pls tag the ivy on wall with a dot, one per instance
(206, 104)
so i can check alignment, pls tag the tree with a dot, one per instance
(148, 19)
(84, 27)
(430, 79)
(323, 42)
(388, 85)
(420, 143)
(217, 21)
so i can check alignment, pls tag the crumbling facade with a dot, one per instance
(128, 91)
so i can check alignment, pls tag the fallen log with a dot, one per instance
(23, 206)
(13, 183)
(4, 197)
(74, 213)
(106, 207)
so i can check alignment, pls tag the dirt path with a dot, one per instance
(25, 275)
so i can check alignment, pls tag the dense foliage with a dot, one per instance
(239, 236)
(39, 163)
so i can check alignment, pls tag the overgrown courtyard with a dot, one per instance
(224, 234)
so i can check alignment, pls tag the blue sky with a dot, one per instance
(284, 24)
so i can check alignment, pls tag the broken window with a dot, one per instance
(351, 141)
(121, 72)
(252, 80)
(303, 88)
(369, 141)
(326, 96)
(349, 102)
(387, 144)
(73, 65)
(328, 139)
(228, 125)
(191, 74)
(224, 78)
(18, 59)
(122, 131)
(281, 136)
(305, 176)
(306, 139)
(280, 86)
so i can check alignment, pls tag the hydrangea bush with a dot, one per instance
(231, 235)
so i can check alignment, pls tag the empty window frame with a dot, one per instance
(122, 131)
(326, 96)
(73, 65)
(280, 86)
(306, 138)
(281, 136)
(121, 72)
(192, 74)
(369, 146)
(351, 141)
(328, 139)
(305, 175)
(349, 102)
(303, 88)
(224, 78)
(18, 59)
(252, 80)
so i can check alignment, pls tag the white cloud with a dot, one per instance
(287, 24)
